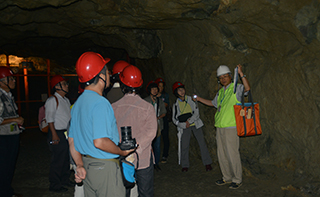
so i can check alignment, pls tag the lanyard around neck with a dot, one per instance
(185, 104)
(224, 95)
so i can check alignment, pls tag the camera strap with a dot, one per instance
(137, 160)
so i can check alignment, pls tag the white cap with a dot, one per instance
(223, 69)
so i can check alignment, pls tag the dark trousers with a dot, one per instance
(185, 142)
(165, 137)
(156, 149)
(9, 148)
(144, 180)
(60, 161)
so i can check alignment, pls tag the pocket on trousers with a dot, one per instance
(96, 166)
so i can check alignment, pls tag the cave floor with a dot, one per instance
(31, 176)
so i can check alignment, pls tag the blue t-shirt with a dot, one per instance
(92, 117)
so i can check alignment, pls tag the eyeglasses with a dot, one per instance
(64, 84)
(224, 76)
(12, 78)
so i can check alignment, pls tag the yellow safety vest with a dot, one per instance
(225, 113)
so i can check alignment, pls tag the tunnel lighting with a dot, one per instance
(14, 61)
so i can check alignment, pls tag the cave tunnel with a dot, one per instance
(277, 42)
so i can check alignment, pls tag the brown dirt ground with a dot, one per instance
(31, 176)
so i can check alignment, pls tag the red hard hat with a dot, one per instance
(119, 66)
(131, 76)
(89, 65)
(177, 85)
(5, 72)
(55, 80)
(160, 80)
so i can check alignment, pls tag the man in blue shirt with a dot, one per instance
(94, 136)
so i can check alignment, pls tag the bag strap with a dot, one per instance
(250, 100)
(253, 111)
(176, 111)
(254, 116)
(56, 101)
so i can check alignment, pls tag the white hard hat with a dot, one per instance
(223, 69)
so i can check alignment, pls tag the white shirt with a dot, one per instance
(59, 116)
(9, 96)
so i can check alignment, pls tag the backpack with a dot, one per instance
(43, 125)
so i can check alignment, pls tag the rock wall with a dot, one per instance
(277, 42)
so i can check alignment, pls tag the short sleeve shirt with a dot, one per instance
(92, 117)
(60, 115)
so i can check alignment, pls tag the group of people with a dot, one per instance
(93, 141)
(91, 130)
(160, 101)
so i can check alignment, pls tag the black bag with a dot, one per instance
(184, 117)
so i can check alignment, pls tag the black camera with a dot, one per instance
(127, 142)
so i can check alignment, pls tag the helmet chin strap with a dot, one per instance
(7, 84)
(105, 83)
(62, 88)
(181, 97)
(153, 95)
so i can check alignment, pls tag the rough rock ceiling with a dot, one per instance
(63, 29)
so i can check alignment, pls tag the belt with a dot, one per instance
(113, 160)
(61, 130)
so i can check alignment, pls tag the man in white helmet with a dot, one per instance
(228, 141)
